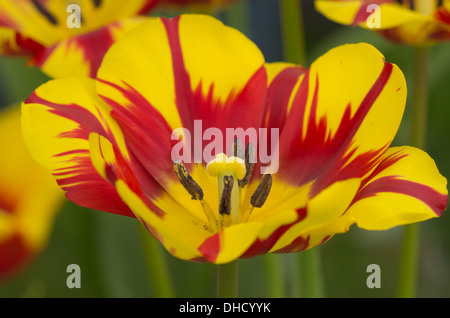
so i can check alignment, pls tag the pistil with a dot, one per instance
(227, 170)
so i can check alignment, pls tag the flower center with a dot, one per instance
(233, 173)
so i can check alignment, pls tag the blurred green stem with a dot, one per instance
(157, 267)
(294, 51)
(293, 35)
(409, 256)
(227, 280)
(87, 223)
(310, 274)
(238, 16)
(408, 263)
(276, 279)
(420, 97)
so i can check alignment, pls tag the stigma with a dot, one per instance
(222, 165)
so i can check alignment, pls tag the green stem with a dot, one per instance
(89, 224)
(408, 263)
(157, 267)
(420, 97)
(276, 279)
(294, 52)
(409, 256)
(310, 274)
(227, 280)
(238, 16)
(293, 35)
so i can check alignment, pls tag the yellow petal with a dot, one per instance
(46, 21)
(230, 243)
(345, 12)
(357, 76)
(180, 236)
(405, 188)
(162, 59)
(56, 122)
(29, 197)
(82, 54)
(323, 209)
(336, 126)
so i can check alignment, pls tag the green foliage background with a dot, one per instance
(109, 248)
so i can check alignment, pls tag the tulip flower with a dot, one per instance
(185, 3)
(223, 156)
(29, 199)
(414, 22)
(66, 38)
(196, 3)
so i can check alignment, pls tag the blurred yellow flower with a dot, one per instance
(414, 22)
(29, 198)
(196, 3)
(45, 31)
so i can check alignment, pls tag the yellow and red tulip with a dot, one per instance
(38, 29)
(109, 142)
(203, 3)
(415, 22)
(29, 198)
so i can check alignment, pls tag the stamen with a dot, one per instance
(249, 163)
(261, 193)
(225, 199)
(195, 191)
(210, 215)
(97, 3)
(237, 149)
(186, 180)
(44, 12)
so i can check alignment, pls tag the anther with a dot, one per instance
(261, 193)
(249, 163)
(225, 199)
(44, 12)
(237, 149)
(186, 180)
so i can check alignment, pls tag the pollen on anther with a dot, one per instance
(187, 181)
(225, 199)
(249, 163)
(261, 193)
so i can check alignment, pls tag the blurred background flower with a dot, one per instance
(409, 22)
(216, 4)
(414, 22)
(52, 34)
(29, 199)
(45, 31)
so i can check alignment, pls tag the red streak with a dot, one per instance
(14, 255)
